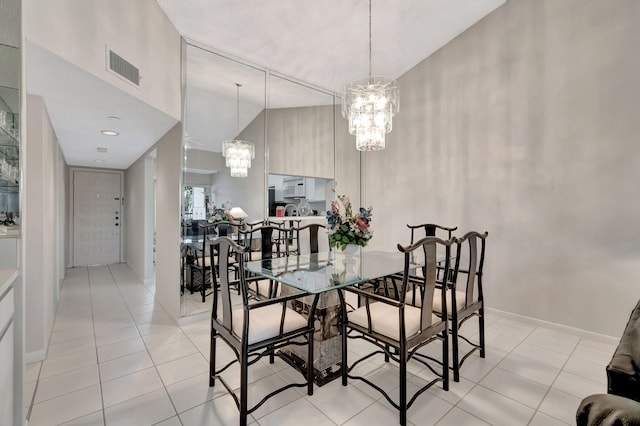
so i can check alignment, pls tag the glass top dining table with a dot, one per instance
(324, 271)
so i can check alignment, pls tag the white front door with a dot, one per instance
(97, 217)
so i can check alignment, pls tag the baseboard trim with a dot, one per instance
(188, 319)
(35, 356)
(555, 326)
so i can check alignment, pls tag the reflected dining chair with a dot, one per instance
(253, 330)
(200, 267)
(270, 247)
(399, 330)
(308, 240)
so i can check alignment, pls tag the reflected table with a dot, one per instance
(318, 274)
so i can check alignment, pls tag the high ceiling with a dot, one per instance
(323, 42)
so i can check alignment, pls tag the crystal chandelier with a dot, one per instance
(238, 153)
(369, 105)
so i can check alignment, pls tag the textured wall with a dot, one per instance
(139, 31)
(40, 237)
(168, 193)
(526, 126)
(134, 217)
(248, 192)
(301, 141)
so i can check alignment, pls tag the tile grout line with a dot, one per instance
(93, 323)
(554, 381)
(476, 384)
(155, 367)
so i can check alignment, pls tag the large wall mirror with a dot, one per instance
(9, 117)
(298, 136)
(301, 148)
(215, 110)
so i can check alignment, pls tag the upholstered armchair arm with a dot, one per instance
(608, 410)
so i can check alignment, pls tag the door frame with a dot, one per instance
(71, 208)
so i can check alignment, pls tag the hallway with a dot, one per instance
(116, 357)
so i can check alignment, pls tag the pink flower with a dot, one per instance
(335, 208)
(346, 201)
(362, 224)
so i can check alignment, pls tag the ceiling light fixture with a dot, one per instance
(109, 132)
(101, 149)
(99, 161)
(238, 153)
(370, 105)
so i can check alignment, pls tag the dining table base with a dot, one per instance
(327, 341)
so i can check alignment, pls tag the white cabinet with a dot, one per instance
(315, 189)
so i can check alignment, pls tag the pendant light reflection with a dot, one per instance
(238, 153)
(369, 105)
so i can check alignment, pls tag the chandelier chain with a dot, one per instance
(370, 40)
(370, 104)
(238, 85)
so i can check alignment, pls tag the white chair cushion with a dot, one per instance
(261, 288)
(385, 321)
(264, 322)
(437, 300)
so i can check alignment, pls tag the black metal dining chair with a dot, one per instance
(465, 297)
(398, 329)
(270, 247)
(256, 329)
(200, 267)
(387, 286)
(308, 239)
(430, 230)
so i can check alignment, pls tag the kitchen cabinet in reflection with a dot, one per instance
(299, 195)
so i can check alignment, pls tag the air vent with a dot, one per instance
(123, 68)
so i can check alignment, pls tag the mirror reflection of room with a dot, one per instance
(299, 195)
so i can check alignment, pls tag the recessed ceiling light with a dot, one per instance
(109, 132)
(98, 160)
(101, 149)
(113, 117)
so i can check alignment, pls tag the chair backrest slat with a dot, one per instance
(472, 266)
(313, 231)
(434, 250)
(430, 230)
(269, 236)
(222, 248)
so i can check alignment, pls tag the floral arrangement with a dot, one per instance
(345, 227)
(219, 214)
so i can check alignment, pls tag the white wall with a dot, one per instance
(134, 217)
(168, 193)
(249, 192)
(347, 162)
(41, 226)
(301, 141)
(527, 126)
(139, 31)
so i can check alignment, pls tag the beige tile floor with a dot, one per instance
(116, 358)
